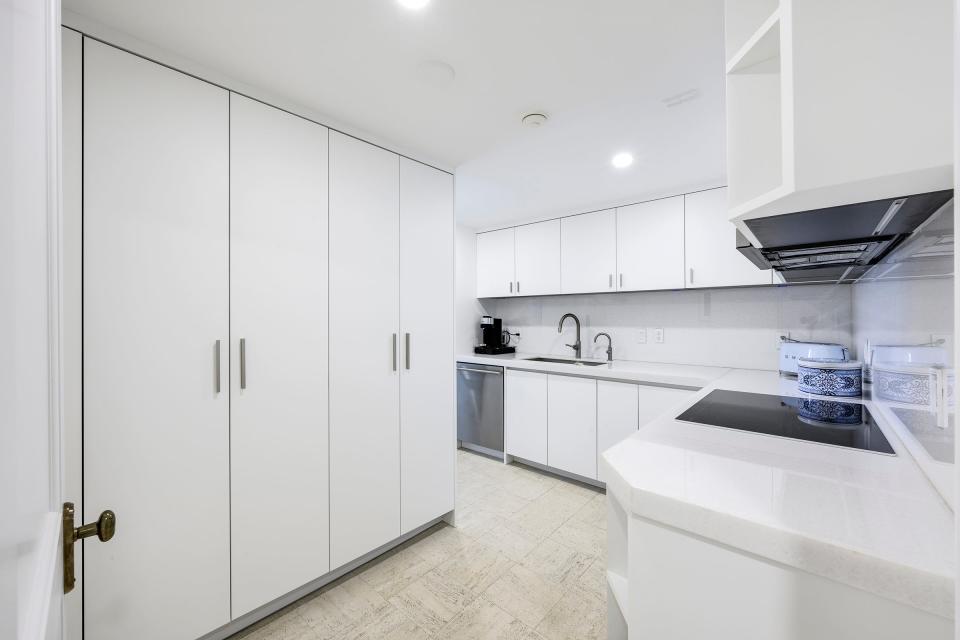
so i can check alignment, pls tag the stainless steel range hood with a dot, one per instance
(836, 244)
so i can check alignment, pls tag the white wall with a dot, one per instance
(737, 327)
(467, 309)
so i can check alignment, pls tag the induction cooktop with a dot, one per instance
(841, 424)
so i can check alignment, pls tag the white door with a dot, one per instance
(538, 258)
(617, 414)
(650, 245)
(711, 253)
(30, 470)
(364, 348)
(525, 415)
(572, 420)
(278, 391)
(588, 252)
(427, 393)
(495, 264)
(156, 286)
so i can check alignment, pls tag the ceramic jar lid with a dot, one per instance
(829, 363)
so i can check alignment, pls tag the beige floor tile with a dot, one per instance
(475, 522)
(594, 579)
(569, 496)
(483, 620)
(393, 572)
(498, 500)
(527, 484)
(352, 604)
(524, 595)
(513, 542)
(473, 570)
(431, 603)
(290, 626)
(540, 518)
(582, 537)
(557, 563)
(440, 543)
(324, 616)
(392, 625)
(576, 616)
(594, 512)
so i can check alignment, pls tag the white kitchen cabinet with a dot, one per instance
(572, 425)
(427, 393)
(496, 269)
(155, 305)
(278, 393)
(364, 348)
(655, 401)
(525, 415)
(650, 245)
(538, 258)
(617, 414)
(712, 257)
(588, 252)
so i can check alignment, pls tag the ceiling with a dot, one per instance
(644, 76)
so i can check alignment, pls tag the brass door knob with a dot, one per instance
(103, 528)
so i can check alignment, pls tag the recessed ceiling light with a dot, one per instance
(414, 4)
(535, 119)
(622, 160)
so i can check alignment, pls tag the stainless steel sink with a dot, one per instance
(578, 363)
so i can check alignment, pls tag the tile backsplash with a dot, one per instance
(737, 327)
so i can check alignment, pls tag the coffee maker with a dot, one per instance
(491, 334)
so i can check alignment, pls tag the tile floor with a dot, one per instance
(525, 562)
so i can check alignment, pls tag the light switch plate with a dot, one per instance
(641, 336)
(658, 335)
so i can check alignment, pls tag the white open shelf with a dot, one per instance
(761, 52)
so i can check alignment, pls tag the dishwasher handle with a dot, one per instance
(490, 371)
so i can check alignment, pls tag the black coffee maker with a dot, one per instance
(491, 334)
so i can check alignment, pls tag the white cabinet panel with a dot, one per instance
(427, 408)
(588, 252)
(617, 414)
(278, 306)
(156, 287)
(525, 415)
(655, 401)
(364, 348)
(495, 264)
(572, 420)
(650, 245)
(538, 258)
(711, 253)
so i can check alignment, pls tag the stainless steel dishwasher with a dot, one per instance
(480, 407)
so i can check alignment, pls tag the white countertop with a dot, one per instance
(679, 375)
(868, 520)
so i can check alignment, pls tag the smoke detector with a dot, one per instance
(534, 120)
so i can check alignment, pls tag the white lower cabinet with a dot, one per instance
(525, 415)
(572, 425)
(655, 401)
(617, 414)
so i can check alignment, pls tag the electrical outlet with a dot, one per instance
(641, 336)
(658, 335)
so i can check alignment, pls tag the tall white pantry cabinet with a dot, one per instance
(267, 345)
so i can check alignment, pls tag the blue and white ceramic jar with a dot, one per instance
(830, 377)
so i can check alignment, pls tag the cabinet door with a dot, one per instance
(278, 307)
(711, 252)
(364, 348)
(427, 411)
(525, 415)
(155, 304)
(572, 420)
(495, 264)
(538, 258)
(588, 252)
(650, 245)
(656, 401)
(617, 414)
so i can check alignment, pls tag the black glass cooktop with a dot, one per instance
(842, 424)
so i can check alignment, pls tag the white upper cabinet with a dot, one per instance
(278, 307)
(711, 253)
(650, 245)
(427, 412)
(588, 252)
(538, 258)
(824, 102)
(364, 348)
(495, 264)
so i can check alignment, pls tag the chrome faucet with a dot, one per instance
(576, 345)
(609, 344)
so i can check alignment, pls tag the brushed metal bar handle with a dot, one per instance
(691, 275)
(511, 286)
(243, 363)
(216, 367)
(493, 373)
(610, 282)
(406, 339)
(621, 280)
(518, 286)
(394, 352)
